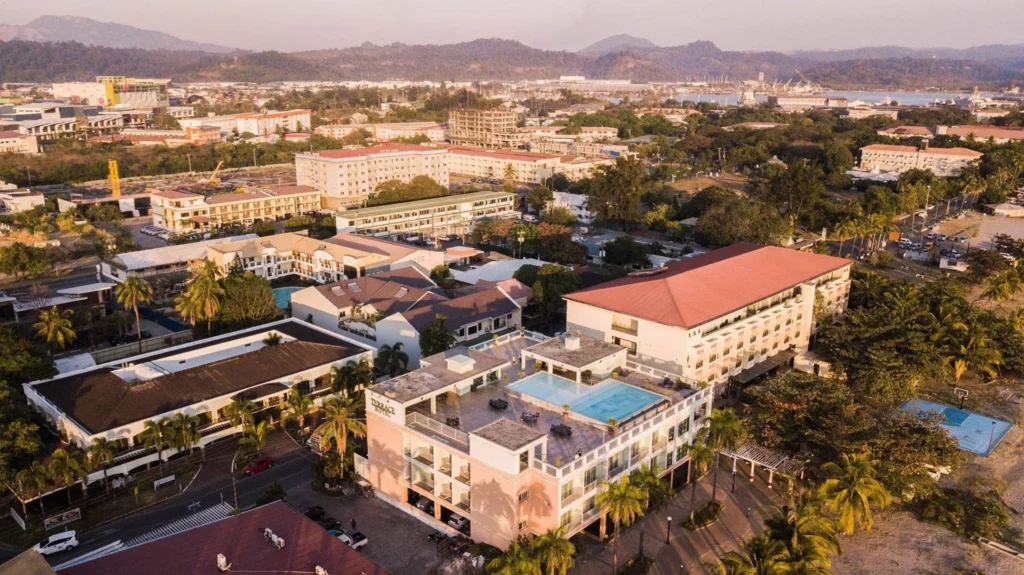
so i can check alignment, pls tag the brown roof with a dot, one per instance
(513, 287)
(909, 131)
(986, 132)
(931, 150)
(27, 563)
(509, 434)
(694, 291)
(99, 400)
(240, 539)
(390, 292)
(463, 310)
(173, 194)
(394, 250)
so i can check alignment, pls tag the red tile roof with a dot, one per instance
(381, 149)
(986, 132)
(695, 291)
(240, 539)
(502, 154)
(12, 134)
(930, 150)
(173, 194)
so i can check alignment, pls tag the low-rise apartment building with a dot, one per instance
(529, 167)
(113, 401)
(979, 133)
(517, 435)
(349, 177)
(487, 128)
(561, 147)
(266, 123)
(14, 142)
(712, 317)
(19, 200)
(434, 217)
(391, 131)
(939, 161)
(800, 103)
(577, 204)
(179, 211)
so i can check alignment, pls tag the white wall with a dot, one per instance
(395, 329)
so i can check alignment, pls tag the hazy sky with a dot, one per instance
(556, 24)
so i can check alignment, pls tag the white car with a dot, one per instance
(57, 542)
(457, 521)
(353, 539)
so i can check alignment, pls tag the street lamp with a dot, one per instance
(668, 530)
(522, 236)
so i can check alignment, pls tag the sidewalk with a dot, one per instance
(687, 548)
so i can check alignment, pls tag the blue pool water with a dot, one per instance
(975, 432)
(283, 296)
(599, 402)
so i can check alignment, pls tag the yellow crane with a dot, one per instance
(214, 180)
(115, 179)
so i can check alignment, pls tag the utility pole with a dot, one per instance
(189, 156)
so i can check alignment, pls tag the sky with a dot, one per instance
(292, 25)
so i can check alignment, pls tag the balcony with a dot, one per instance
(445, 496)
(445, 467)
(424, 484)
(658, 444)
(463, 504)
(614, 471)
(463, 475)
(424, 457)
(572, 497)
(631, 329)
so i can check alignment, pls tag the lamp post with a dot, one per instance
(522, 236)
(668, 530)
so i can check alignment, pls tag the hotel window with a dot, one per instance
(566, 519)
(590, 504)
(753, 338)
(668, 459)
(590, 476)
(567, 491)
(671, 433)
(680, 452)
(615, 461)
(524, 496)
(683, 426)
(765, 332)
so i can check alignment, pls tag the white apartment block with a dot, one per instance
(434, 217)
(266, 123)
(14, 142)
(18, 200)
(350, 177)
(391, 131)
(518, 446)
(530, 168)
(939, 161)
(712, 317)
(184, 212)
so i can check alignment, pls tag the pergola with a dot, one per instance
(772, 460)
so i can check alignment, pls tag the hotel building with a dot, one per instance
(486, 128)
(519, 447)
(939, 161)
(434, 217)
(530, 168)
(730, 315)
(185, 212)
(383, 132)
(349, 177)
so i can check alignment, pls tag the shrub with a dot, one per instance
(637, 566)
(706, 515)
(273, 493)
(966, 513)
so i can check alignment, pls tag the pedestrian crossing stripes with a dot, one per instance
(198, 519)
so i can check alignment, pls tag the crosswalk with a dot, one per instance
(198, 519)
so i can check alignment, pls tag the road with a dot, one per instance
(293, 469)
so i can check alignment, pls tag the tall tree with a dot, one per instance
(701, 455)
(809, 537)
(157, 435)
(759, 555)
(554, 551)
(240, 411)
(134, 292)
(340, 419)
(248, 300)
(54, 327)
(436, 337)
(725, 432)
(516, 560)
(257, 436)
(851, 490)
(622, 503)
(101, 453)
(69, 466)
(616, 191)
(656, 492)
(391, 359)
(296, 406)
(186, 431)
(39, 478)
(554, 281)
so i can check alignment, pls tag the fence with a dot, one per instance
(153, 344)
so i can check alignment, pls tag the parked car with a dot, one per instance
(57, 542)
(425, 505)
(353, 539)
(315, 513)
(257, 465)
(329, 523)
(457, 521)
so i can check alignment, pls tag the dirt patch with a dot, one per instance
(981, 228)
(730, 181)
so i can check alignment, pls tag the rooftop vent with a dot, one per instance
(336, 290)
(401, 292)
(572, 342)
(460, 363)
(222, 563)
(354, 287)
(320, 571)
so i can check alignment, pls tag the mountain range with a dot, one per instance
(51, 49)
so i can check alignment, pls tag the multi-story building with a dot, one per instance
(434, 217)
(13, 201)
(712, 317)
(179, 211)
(488, 128)
(517, 448)
(14, 142)
(587, 150)
(798, 103)
(350, 177)
(575, 203)
(585, 133)
(939, 161)
(674, 115)
(115, 400)
(980, 133)
(49, 121)
(116, 91)
(529, 167)
(384, 132)
(266, 123)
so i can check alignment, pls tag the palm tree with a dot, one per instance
(240, 411)
(101, 452)
(655, 490)
(844, 231)
(156, 435)
(623, 503)
(851, 490)
(553, 551)
(272, 339)
(701, 455)
(516, 560)
(134, 292)
(257, 436)
(355, 310)
(54, 326)
(510, 173)
(391, 359)
(1016, 318)
(339, 421)
(971, 348)
(39, 477)
(345, 378)
(188, 308)
(296, 406)
(205, 291)
(70, 466)
(186, 431)
(725, 432)
(759, 555)
(1001, 286)
(809, 537)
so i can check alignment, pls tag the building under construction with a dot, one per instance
(488, 128)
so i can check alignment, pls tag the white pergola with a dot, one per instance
(772, 460)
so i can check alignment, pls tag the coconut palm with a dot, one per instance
(724, 432)
(844, 231)
(339, 421)
(101, 452)
(355, 310)
(623, 503)
(186, 431)
(156, 435)
(345, 378)
(240, 411)
(188, 308)
(510, 173)
(851, 490)
(205, 291)
(54, 326)
(553, 551)
(971, 348)
(701, 455)
(296, 406)
(134, 292)
(809, 537)
(257, 436)
(1001, 287)
(656, 491)
(759, 555)
(516, 560)
(391, 359)
(39, 478)
(272, 339)
(1016, 318)
(69, 466)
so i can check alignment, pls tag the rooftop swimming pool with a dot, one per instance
(608, 399)
(975, 432)
(283, 296)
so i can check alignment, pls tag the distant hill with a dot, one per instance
(617, 43)
(107, 34)
(991, 53)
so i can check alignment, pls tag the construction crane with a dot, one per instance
(115, 179)
(214, 180)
